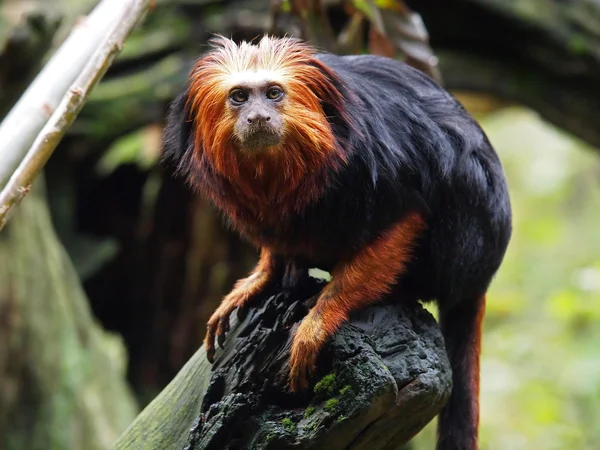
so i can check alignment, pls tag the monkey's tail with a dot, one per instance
(458, 422)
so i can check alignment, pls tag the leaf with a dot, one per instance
(370, 9)
(395, 28)
(316, 26)
(141, 147)
(350, 38)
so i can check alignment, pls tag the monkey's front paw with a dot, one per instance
(306, 345)
(218, 324)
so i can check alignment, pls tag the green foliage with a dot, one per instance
(140, 147)
(540, 372)
(578, 45)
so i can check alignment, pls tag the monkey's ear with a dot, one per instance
(177, 136)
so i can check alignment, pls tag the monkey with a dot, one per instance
(359, 165)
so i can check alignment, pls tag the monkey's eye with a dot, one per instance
(237, 96)
(274, 93)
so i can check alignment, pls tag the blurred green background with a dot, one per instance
(147, 262)
(540, 370)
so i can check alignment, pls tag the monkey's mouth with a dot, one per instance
(260, 138)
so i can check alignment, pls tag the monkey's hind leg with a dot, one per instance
(242, 293)
(458, 422)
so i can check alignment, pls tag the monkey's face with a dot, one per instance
(246, 98)
(257, 107)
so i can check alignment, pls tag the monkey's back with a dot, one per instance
(413, 148)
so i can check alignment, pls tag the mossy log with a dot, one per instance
(380, 380)
(62, 378)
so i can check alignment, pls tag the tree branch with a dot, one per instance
(58, 93)
(544, 54)
(566, 105)
(380, 380)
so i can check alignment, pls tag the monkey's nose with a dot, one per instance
(258, 118)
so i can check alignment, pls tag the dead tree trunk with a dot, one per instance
(61, 377)
(380, 380)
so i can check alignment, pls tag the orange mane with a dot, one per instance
(274, 182)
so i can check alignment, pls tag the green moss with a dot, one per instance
(345, 389)
(309, 411)
(331, 404)
(269, 437)
(341, 418)
(326, 386)
(288, 424)
(311, 426)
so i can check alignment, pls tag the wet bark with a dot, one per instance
(380, 380)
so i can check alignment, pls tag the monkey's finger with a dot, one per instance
(222, 328)
(242, 312)
(297, 380)
(302, 382)
(209, 345)
(297, 373)
(292, 381)
(210, 351)
(225, 321)
(303, 365)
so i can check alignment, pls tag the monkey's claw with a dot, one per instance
(218, 325)
(307, 343)
(300, 371)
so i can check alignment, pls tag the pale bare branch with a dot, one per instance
(39, 120)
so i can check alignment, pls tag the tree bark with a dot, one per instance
(62, 379)
(380, 380)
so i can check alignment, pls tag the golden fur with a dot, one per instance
(267, 182)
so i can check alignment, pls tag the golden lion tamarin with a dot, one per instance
(359, 165)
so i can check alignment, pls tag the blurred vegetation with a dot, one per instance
(540, 381)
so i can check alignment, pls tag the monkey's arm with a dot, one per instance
(244, 290)
(355, 284)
